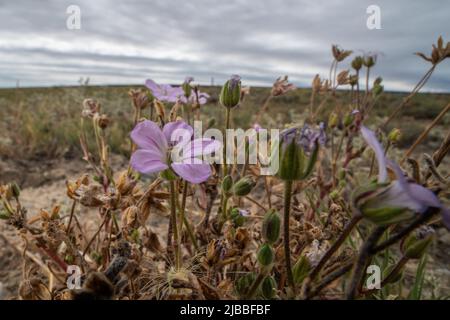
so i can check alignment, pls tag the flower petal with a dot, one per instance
(147, 161)
(372, 141)
(194, 173)
(152, 85)
(175, 130)
(147, 135)
(200, 147)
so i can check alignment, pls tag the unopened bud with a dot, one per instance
(227, 183)
(271, 226)
(265, 255)
(243, 186)
(357, 63)
(231, 92)
(269, 287)
(237, 216)
(301, 269)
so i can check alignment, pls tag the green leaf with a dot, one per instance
(416, 291)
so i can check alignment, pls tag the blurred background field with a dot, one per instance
(43, 123)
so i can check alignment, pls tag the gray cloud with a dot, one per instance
(127, 42)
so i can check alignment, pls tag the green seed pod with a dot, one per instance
(301, 269)
(268, 287)
(265, 255)
(227, 183)
(243, 186)
(230, 94)
(271, 226)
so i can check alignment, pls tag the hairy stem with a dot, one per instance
(287, 249)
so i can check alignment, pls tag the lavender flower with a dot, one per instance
(306, 137)
(402, 197)
(157, 150)
(164, 92)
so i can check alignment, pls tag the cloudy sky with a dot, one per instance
(125, 42)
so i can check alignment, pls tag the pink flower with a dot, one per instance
(171, 148)
(400, 193)
(164, 92)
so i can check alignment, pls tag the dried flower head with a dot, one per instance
(281, 86)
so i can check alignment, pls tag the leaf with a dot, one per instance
(416, 291)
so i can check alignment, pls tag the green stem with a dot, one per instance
(173, 214)
(227, 126)
(287, 249)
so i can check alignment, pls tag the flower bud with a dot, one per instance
(227, 183)
(377, 90)
(237, 216)
(230, 94)
(265, 255)
(415, 245)
(394, 135)
(186, 86)
(271, 226)
(15, 190)
(301, 269)
(244, 283)
(269, 287)
(373, 202)
(243, 186)
(369, 61)
(292, 161)
(357, 63)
